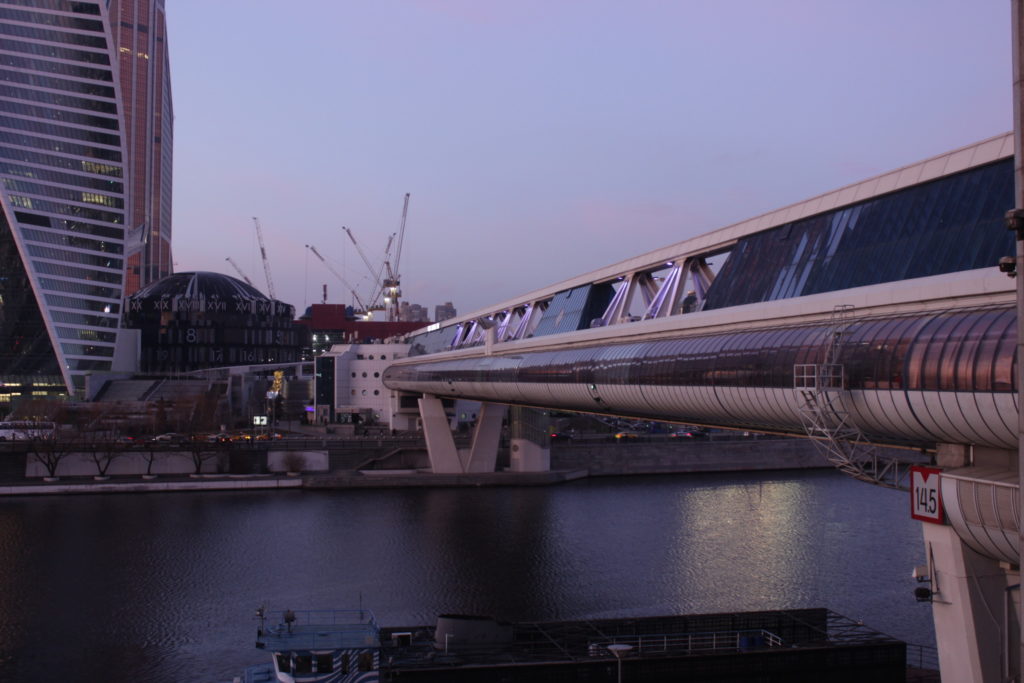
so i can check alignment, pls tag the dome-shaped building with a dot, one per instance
(191, 321)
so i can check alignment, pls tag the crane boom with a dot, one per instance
(266, 262)
(239, 271)
(337, 275)
(401, 235)
(392, 285)
(376, 275)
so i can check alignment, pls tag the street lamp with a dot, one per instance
(620, 650)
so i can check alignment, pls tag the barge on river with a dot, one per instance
(791, 646)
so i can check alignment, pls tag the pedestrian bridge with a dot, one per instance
(878, 314)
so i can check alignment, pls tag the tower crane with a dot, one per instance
(239, 271)
(376, 275)
(266, 262)
(392, 283)
(337, 275)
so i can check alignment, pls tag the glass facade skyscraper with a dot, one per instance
(139, 31)
(67, 173)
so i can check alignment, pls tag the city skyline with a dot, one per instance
(539, 141)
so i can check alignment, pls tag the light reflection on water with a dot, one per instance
(162, 587)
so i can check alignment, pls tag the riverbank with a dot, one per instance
(206, 482)
(569, 462)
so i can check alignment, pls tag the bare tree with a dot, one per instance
(47, 448)
(151, 454)
(50, 450)
(202, 451)
(197, 419)
(43, 409)
(102, 452)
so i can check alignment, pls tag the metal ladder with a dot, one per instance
(820, 389)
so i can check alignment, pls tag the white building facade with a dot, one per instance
(359, 390)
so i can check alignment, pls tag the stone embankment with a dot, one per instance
(677, 456)
(569, 461)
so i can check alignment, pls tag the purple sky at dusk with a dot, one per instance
(545, 138)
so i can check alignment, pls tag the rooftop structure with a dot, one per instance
(191, 321)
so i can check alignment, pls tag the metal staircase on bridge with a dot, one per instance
(820, 391)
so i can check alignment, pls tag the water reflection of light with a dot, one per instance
(739, 546)
(785, 542)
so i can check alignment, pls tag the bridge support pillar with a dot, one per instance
(483, 455)
(444, 458)
(528, 443)
(975, 613)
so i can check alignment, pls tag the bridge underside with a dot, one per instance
(911, 380)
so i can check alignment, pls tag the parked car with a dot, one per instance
(269, 436)
(692, 433)
(172, 437)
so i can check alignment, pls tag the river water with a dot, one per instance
(163, 587)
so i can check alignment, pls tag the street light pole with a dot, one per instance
(620, 650)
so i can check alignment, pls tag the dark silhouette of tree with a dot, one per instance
(201, 451)
(50, 450)
(101, 452)
(201, 418)
(160, 418)
(153, 452)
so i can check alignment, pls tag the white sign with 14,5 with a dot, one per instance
(925, 494)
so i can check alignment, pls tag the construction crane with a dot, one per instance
(239, 271)
(392, 283)
(375, 274)
(386, 278)
(266, 262)
(337, 275)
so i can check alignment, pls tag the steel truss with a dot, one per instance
(821, 390)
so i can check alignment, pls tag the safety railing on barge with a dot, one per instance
(691, 643)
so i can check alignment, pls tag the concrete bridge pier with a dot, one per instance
(445, 458)
(437, 431)
(529, 440)
(483, 454)
(975, 612)
(972, 570)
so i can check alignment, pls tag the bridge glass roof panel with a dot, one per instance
(573, 309)
(946, 225)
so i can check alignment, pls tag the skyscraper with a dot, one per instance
(140, 36)
(64, 169)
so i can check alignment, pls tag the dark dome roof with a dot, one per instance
(200, 285)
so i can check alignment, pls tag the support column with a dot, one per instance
(483, 455)
(529, 440)
(970, 605)
(444, 459)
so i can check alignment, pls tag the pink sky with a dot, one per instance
(544, 138)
